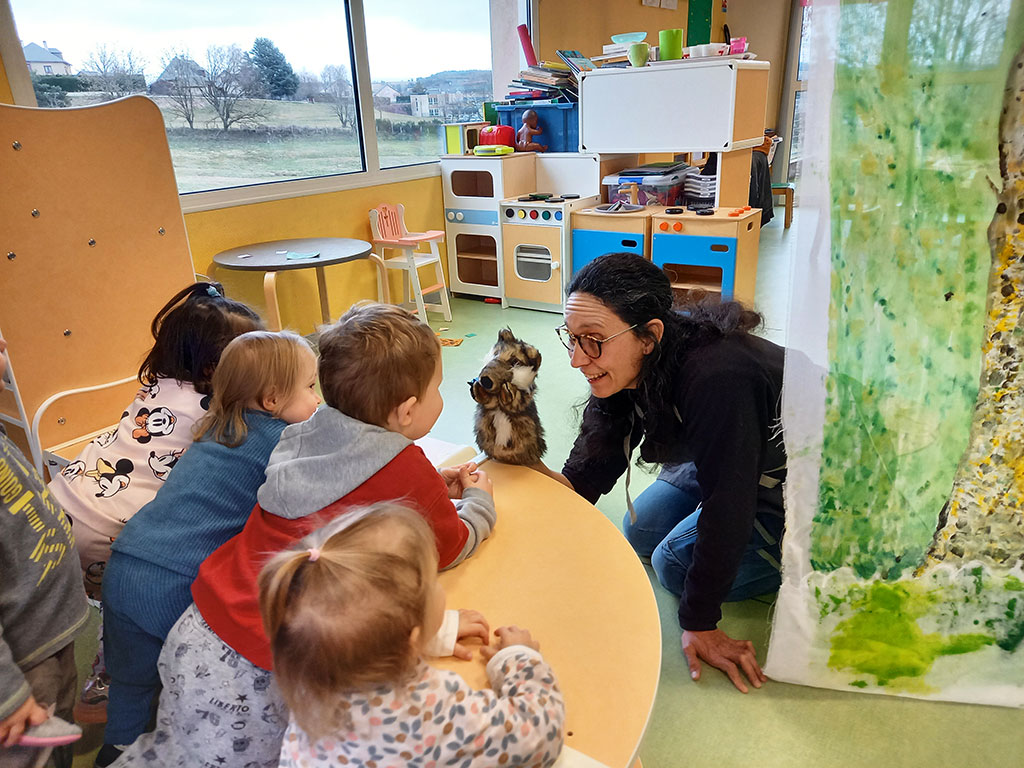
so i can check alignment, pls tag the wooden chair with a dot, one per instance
(95, 243)
(786, 190)
(388, 225)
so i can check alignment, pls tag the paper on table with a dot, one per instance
(297, 255)
(572, 758)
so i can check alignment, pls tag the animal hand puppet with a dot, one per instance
(507, 426)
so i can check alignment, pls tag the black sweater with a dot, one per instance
(728, 401)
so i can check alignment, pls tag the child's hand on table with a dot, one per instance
(477, 479)
(451, 477)
(508, 636)
(471, 624)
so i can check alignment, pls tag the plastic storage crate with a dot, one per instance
(560, 123)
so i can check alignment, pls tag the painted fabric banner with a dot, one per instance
(904, 552)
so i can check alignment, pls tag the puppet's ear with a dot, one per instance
(506, 395)
(506, 335)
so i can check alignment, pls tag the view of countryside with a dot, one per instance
(242, 111)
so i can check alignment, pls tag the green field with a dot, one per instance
(295, 140)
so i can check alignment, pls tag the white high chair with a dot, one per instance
(388, 225)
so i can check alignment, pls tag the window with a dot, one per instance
(252, 95)
(437, 52)
(267, 99)
(47, 69)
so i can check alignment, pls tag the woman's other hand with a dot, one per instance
(721, 651)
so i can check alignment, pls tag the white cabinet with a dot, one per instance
(712, 106)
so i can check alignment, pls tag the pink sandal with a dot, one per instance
(53, 732)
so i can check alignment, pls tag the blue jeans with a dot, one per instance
(666, 532)
(141, 602)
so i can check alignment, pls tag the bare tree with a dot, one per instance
(309, 86)
(232, 87)
(338, 87)
(116, 73)
(183, 81)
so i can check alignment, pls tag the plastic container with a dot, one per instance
(560, 123)
(666, 189)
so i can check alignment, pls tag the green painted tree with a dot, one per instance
(276, 73)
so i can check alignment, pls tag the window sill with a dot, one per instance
(192, 202)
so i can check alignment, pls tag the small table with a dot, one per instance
(271, 257)
(558, 567)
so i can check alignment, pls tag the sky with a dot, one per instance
(406, 38)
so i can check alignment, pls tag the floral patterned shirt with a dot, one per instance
(438, 720)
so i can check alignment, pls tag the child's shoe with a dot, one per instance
(108, 754)
(92, 704)
(52, 732)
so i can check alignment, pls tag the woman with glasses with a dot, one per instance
(700, 395)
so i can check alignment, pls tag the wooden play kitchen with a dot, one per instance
(714, 253)
(701, 106)
(595, 233)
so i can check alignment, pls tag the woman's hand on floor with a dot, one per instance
(721, 651)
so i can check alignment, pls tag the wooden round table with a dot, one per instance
(556, 566)
(271, 257)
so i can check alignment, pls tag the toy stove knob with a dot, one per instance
(459, 216)
(451, 216)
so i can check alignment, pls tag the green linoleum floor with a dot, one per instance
(708, 723)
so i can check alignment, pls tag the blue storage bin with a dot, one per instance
(560, 123)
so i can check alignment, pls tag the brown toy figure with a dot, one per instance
(507, 426)
(524, 138)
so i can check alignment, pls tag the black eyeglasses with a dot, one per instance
(591, 345)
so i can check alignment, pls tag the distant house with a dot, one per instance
(43, 60)
(387, 93)
(179, 72)
(429, 104)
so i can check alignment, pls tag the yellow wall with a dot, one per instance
(765, 24)
(586, 25)
(334, 214)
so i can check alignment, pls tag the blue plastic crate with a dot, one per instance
(560, 123)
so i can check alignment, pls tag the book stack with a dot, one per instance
(549, 82)
(700, 191)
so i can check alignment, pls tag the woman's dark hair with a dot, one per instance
(191, 331)
(637, 291)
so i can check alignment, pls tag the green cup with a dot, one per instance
(638, 53)
(670, 44)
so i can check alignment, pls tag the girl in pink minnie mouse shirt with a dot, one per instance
(350, 613)
(120, 471)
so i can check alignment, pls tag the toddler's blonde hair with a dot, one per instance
(253, 366)
(342, 620)
(374, 358)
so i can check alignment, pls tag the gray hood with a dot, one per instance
(323, 459)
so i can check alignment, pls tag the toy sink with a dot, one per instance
(618, 207)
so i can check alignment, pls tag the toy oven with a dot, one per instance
(536, 247)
